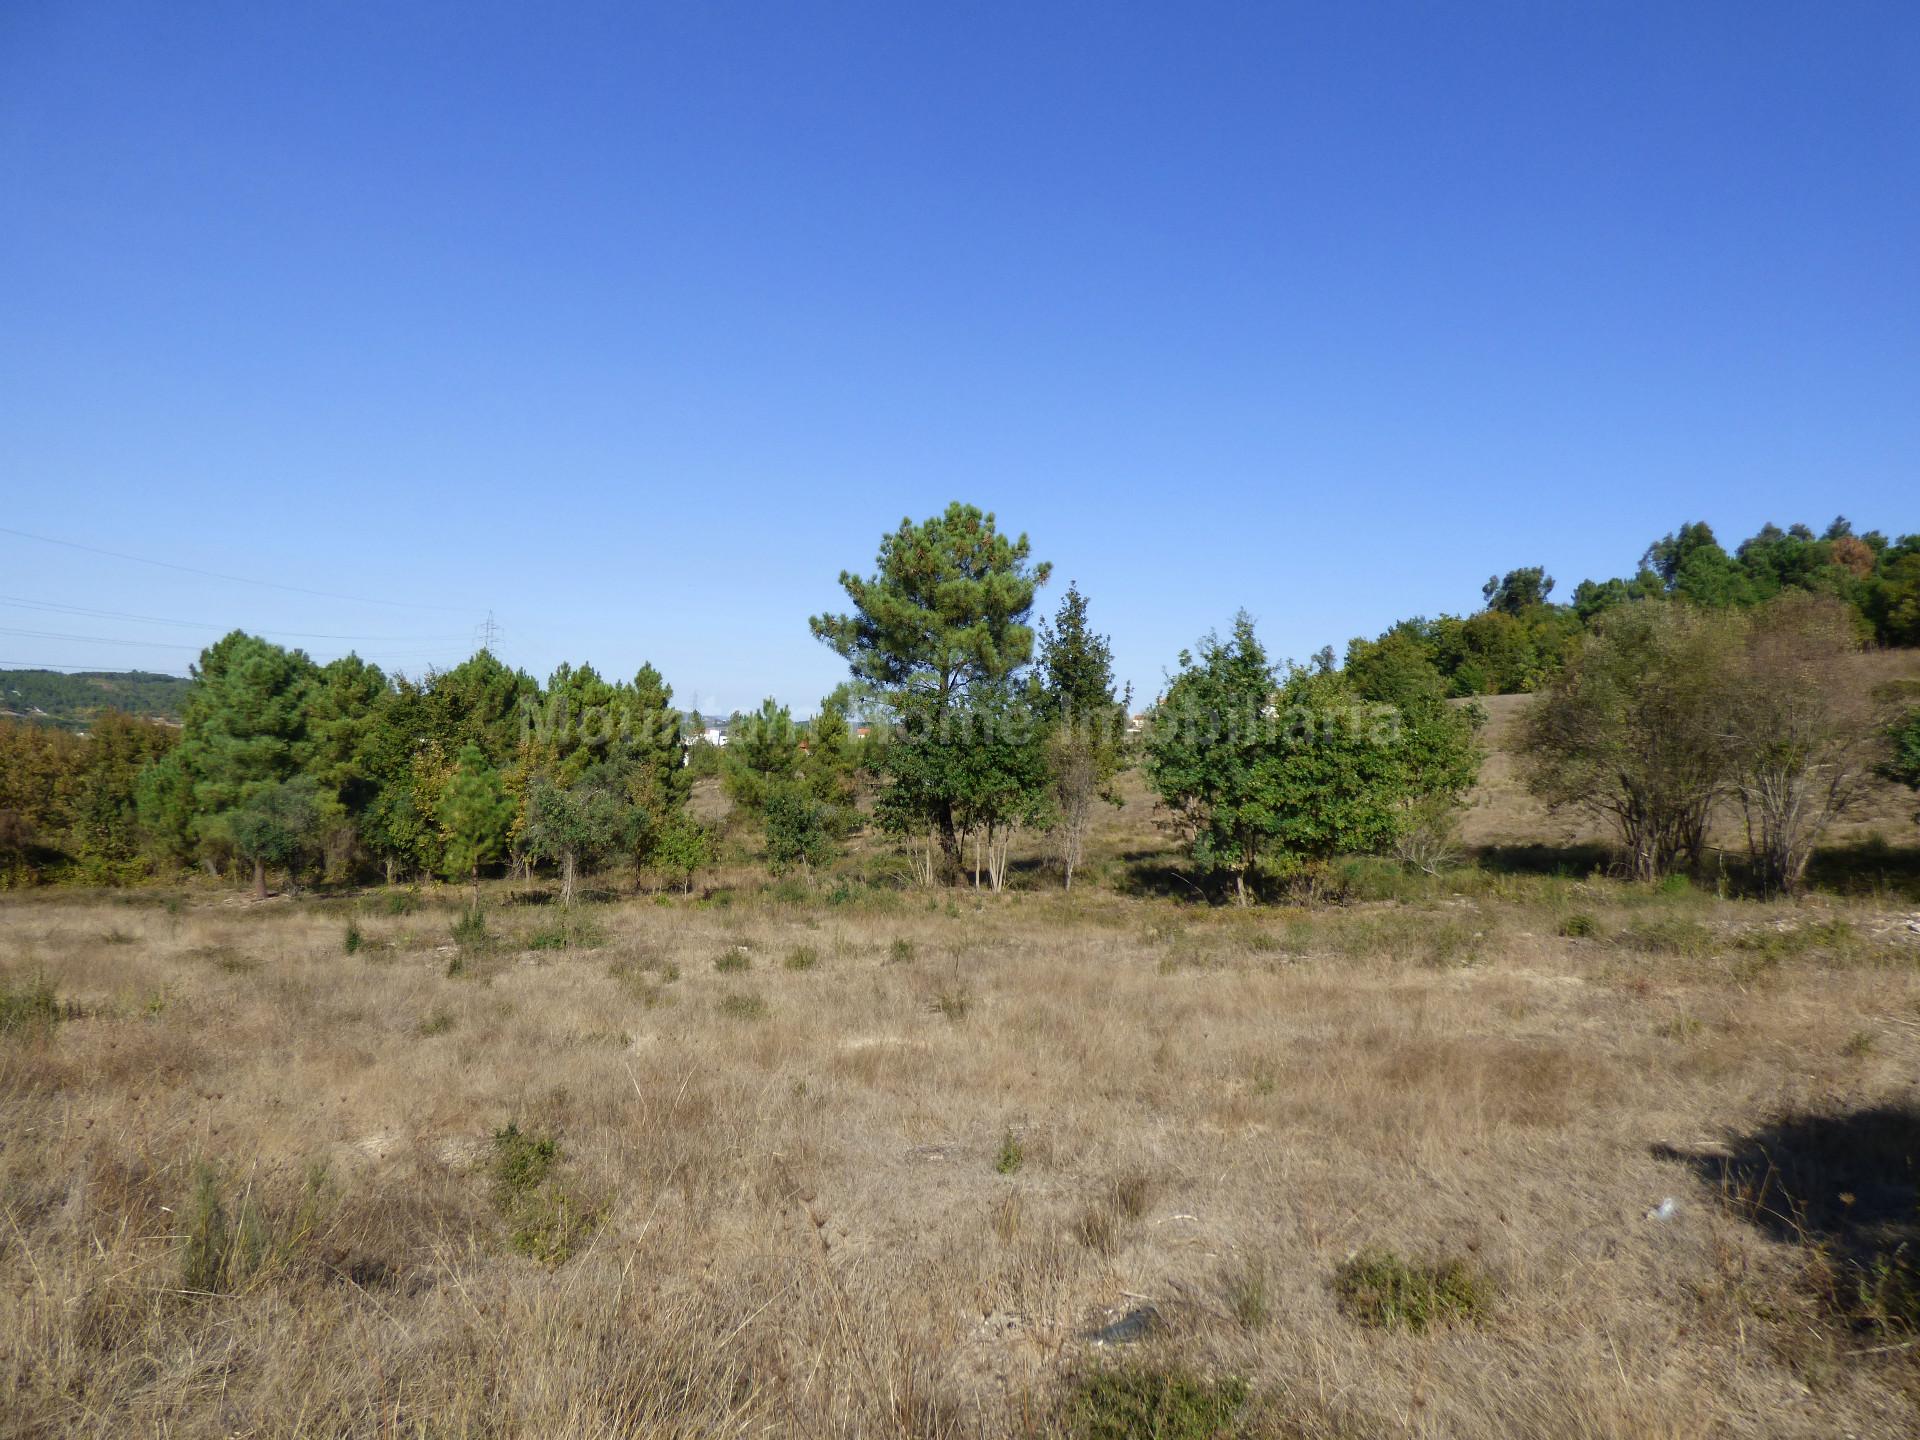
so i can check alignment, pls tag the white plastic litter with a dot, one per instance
(1665, 1210)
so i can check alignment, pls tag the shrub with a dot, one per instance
(32, 1006)
(743, 1006)
(1378, 1287)
(470, 930)
(545, 1221)
(803, 957)
(1012, 1154)
(354, 939)
(734, 960)
(1579, 926)
(900, 952)
(1131, 1402)
(570, 931)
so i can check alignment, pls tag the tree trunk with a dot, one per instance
(1240, 887)
(259, 879)
(566, 878)
(953, 864)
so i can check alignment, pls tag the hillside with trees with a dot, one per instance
(73, 701)
(1521, 637)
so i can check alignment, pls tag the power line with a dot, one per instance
(231, 579)
(98, 639)
(20, 602)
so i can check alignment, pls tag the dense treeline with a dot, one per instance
(1691, 687)
(1521, 639)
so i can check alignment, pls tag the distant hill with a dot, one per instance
(47, 697)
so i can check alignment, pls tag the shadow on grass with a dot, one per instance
(1151, 874)
(1572, 861)
(1846, 1183)
(1868, 867)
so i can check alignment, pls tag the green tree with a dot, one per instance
(940, 622)
(1272, 775)
(799, 827)
(476, 813)
(577, 826)
(246, 728)
(1438, 743)
(1085, 750)
(1518, 590)
(278, 824)
(680, 850)
(99, 795)
(762, 754)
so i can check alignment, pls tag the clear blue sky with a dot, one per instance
(637, 323)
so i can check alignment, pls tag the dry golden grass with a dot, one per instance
(781, 1202)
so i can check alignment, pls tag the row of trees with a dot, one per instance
(282, 763)
(985, 726)
(1520, 640)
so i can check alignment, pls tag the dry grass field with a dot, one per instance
(1497, 1154)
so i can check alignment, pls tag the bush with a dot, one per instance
(354, 939)
(568, 932)
(545, 1221)
(743, 1007)
(1012, 1154)
(470, 930)
(734, 960)
(32, 1006)
(803, 957)
(1146, 1404)
(1380, 1288)
(1579, 926)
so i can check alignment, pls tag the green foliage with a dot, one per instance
(1138, 1403)
(470, 929)
(938, 628)
(681, 849)
(227, 1244)
(29, 1007)
(278, 824)
(475, 814)
(743, 1006)
(1085, 746)
(567, 931)
(353, 939)
(802, 957)
(578, 825)
(1272, 775)
(1380, 1288)
(545, 1220)
(1903, 762)
(1579, 926)
(1012, 1154)
(734, 958)
(799, 828)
